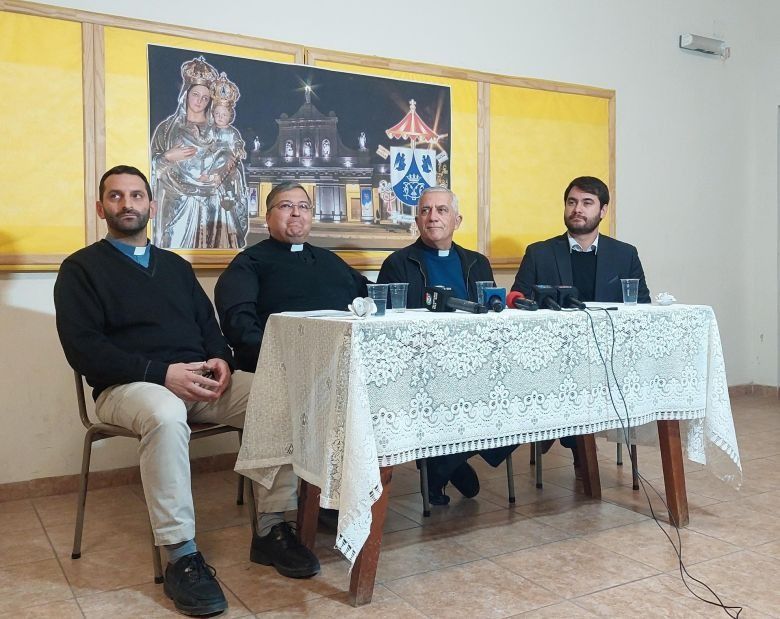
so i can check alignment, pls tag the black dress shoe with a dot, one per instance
(436, 496)
(465, 479)
(282, 549)
(190, 583)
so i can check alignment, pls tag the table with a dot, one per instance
(343, 400)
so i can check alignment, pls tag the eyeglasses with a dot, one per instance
(289, 206)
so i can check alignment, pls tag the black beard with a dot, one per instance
(115, 223)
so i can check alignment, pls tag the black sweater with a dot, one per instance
(121, 323)
(268, 278)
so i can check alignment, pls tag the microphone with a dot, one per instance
(546, 297)
(494, 298)
(567, 297)
(440, 299)
(518, 301)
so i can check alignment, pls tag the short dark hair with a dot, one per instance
(281, 187)
(589, 184)
(123, 169)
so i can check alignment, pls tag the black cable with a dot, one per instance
(626, 427)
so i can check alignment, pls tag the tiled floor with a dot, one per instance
(554, 554)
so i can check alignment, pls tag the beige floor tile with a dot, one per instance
(479, 589)
(410, 506)
(24, 546)
(636, 500)
(262, 588)
(404, 481)
(760, 445)
(767, 502)
(103, 503)
(734, 523)
(32, 584)
(18, 516)
(501, 532)
(746, 578)
(53, 610)
(764, 473)
(227, 546)
(646, 543)
(102, 533)
(556, 611)
(704, 483)
(385, 603)
(105, 570)
(580, 517)
(405, 553)
(495, 490)
(659, 596)
(770, 549)
(574, 567)
(147, 600)
(397, 522)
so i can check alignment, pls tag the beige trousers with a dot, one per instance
(160, 419)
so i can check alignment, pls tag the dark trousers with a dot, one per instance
(440, 468)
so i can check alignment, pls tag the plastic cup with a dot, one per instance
(378, 292)
(398, 293)
(481, 285)
(630, 290)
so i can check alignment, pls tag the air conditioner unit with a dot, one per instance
(705, 45)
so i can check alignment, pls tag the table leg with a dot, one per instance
(674, 473)
(361, 585)
(308, 512)
(589, 465)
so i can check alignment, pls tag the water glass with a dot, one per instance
(398, 293)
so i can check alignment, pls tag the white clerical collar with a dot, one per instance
(575, 246)
(296, 247)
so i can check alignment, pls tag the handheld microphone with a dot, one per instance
(546, 297)
(494, 298)
(440, 299)
(518, 301)
(567, 297)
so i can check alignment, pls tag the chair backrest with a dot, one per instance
(82, 400)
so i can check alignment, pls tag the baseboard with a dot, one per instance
(64, 484)
(752, 389)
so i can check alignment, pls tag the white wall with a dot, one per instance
(696, 162)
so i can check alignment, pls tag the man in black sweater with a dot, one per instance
(435, 259)
(134, 320)
(581, 257)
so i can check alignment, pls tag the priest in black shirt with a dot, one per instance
(283, 273)
(582, 257)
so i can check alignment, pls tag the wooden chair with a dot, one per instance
(100, 431)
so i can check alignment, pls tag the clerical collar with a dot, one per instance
(127, 248)
(291, 247)
(575, 246)
(441, 253)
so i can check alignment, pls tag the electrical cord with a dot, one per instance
(626, 427)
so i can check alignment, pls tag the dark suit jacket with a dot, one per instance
(548, 262)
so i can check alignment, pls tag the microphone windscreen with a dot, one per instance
(513, 294)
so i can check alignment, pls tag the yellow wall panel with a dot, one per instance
(463, 152)
(539, 141)
(41, 159)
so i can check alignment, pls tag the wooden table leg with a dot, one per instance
(308, 512)
(589, 465)
(361, 585)
(674, 473)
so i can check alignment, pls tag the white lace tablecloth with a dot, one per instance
(339, 397)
